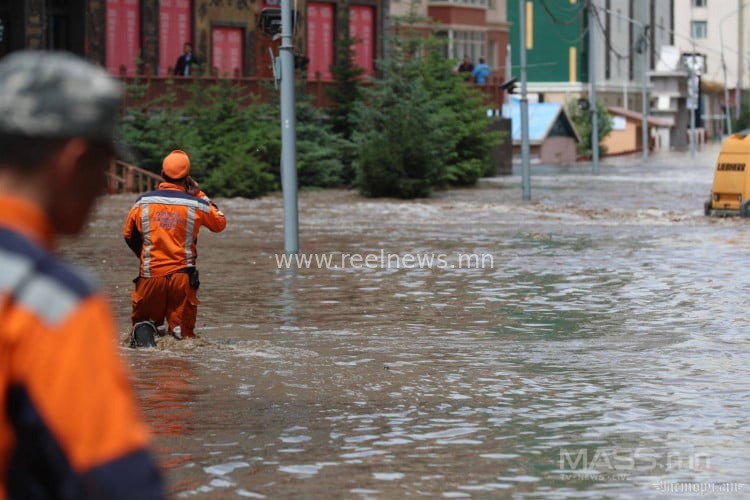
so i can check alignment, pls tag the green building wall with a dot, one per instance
(558, 51)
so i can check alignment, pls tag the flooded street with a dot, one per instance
(602, 349)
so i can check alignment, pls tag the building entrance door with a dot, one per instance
(65, 25)
(11, 26)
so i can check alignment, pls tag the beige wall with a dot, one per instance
(622, 141)
(498, 14)
(402, 7)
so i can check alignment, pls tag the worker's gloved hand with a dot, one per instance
(192, 187)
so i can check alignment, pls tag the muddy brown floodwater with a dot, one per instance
(602, 352)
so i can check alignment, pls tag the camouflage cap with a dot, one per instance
(57, 95)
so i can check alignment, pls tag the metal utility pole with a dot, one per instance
(644, 95)
(592, 80)
(643, 49)
(740, 44)
(727, 107)
(525, 168)
(288, 133)
(726, 96)
(692, 101)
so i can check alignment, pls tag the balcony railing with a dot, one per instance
(470, 3)
(126, 178)
(158, 86)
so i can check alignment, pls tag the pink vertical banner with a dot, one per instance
(226, 50)
(174, 31)
(123, 35)
(320, 40)
(362, 28)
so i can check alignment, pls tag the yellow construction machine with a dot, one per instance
(730, 194)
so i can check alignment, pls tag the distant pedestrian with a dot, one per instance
(481, 72)
(185, 63)
(466, 67)
(70, 426)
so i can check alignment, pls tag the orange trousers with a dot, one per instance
(169, 297)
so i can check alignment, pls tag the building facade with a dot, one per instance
(716, 32)
(477, 28)
(558, 41)
(230, 37)
(717, 29)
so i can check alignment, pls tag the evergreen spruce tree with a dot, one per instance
(404, 142)
(462, 106)
(345, 95)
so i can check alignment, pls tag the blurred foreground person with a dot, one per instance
(162, 230)
(69, 426)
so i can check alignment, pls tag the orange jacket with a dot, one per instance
(162, 228)
(69, 425)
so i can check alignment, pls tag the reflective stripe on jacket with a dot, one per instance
(162, 228)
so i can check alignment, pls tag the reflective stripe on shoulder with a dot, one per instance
(47, 298)
(189, 236)
(13, 269)
(166, 200)
(45, 287)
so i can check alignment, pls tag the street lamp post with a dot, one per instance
(594, 107)
(525, 167)
(288, 133)
(726, 96)
(643, 49)
(724, 67)
(644, 93)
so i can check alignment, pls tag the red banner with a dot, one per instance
(123, 35)
(319, 40)
(226, 48)
(362, 28)
(174, 31)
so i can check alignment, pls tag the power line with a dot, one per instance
(575, 18)
(606, 39)
(570, 21)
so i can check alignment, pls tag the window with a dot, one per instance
(698, 29)
(699, 3)
(492, 59)
(465, 43)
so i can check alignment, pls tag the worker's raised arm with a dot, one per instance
(131, 232)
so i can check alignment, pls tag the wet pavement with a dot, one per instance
(601, 351)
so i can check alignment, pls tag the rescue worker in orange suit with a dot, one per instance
(69, 425)
(162, 229)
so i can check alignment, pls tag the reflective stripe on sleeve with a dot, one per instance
(146, 241)
(189, 236)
